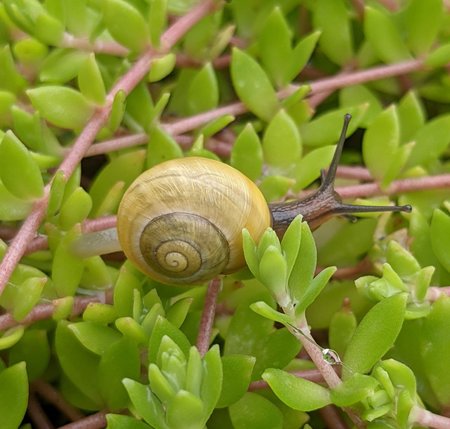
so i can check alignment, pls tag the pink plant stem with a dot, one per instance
(116, 144)
(428, 419)
(362, 76)
(94, 421)
(441, 181)
(46, 311)
(126, 84)
(434, 293)
(320, 85)
(208, 315)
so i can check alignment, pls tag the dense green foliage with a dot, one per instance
(93, 92)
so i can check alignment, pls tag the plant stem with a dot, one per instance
(94, 421)
(54, 397)
(46, 311)
(208, 315)
(441, 181)
(428, 419)
(434, 293)
(126, 84)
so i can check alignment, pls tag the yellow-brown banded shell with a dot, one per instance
(181, 221)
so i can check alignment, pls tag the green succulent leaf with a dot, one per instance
(375, 334)
(33, 349)
(62, 106)
(117, 421)
(440, 227)
(253, 411)
(328, 16)
(252, 85)
(14, 157)
(90, 80)
(382, 136)
(247, 155)
(355, 389)
(120, 17)
(281, 142)
(296, 392)
(13, 395)
(384, 36)
(422, 22)
(237, 372)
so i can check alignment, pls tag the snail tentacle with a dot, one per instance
(325, 202)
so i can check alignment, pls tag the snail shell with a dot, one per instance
(181, 221)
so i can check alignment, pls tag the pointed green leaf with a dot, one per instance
(13, 395)
(440, 228)
(265, 310)
(185, 411)
(11, 207)
(252, 85)
(18, 170)
(75, 209)
(296, 392)
(162, 67)
(422, 21)
(120, 17)
(381, 137)
(120, 360)
(313, 290)
(146, 404)
(305, 265)
(246, 155)
(66, 267)
(325, 129)
(157, 20)
(384, 36)
(275, 52)
(253, 411)
(330, 15)
(237, 371)
(62, 106)
(161, 147)
(203, 91)
(309, 167)
(90, 80)
(375, 334)
(431, 141)
(281, 142)
(354, 389)
(411, 116)
(301, 55)
(95, 337)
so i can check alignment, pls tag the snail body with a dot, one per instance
(181, 221)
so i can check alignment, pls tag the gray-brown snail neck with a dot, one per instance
(181, 221)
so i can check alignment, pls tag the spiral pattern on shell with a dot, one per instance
(181, 221)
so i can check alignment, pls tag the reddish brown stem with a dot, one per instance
(54, 397)
(37, 414)
(208, 315)
(94, 421)
(332, 417)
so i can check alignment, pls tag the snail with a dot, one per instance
(181, 221)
